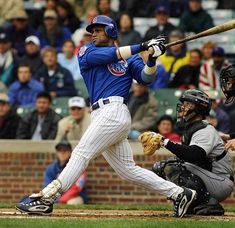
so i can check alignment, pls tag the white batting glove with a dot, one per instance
(155, 41)
(157, 50)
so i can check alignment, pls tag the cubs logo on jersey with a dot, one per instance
(119, 68)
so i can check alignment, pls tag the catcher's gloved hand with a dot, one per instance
(151, 142)
(153, 42)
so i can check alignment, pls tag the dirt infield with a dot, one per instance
(112, 214)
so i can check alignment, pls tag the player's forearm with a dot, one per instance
(149, 73)
(187, 153)
(127, 51)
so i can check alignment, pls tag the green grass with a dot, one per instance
(111, 223)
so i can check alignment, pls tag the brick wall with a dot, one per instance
(22, 173)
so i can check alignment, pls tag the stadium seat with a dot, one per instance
(81, 88)
(23, 111)
(167, 100)
(221, 14)
(209, 4)
(60, 105)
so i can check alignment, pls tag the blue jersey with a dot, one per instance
(105, 75)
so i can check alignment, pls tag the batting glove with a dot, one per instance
(157, 50)
(155, 41)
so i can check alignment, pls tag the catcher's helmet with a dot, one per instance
(227, 81)
(201, 100)
(110, 25)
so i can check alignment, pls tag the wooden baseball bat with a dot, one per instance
(214, 30)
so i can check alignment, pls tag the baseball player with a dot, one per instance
(108, 72)
(201, 161)
(227, 82)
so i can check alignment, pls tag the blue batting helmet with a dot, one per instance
(110, 25)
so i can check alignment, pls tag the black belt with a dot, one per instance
(105, 101)
(219, 157)
(231, 178)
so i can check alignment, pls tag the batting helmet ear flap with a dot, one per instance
(111, 31)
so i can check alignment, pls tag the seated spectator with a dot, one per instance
(57, 80)
(73, 126)
(218, 117)
(32, 55)
(41, 123)
(76, 194)
(104, 8)
(9, 119)
(143, 109)
(90, 15)
(163, 25)
(175, 57)
(24, 91)
(51, 33)
(195, 19)
(207, 49)
(127, 35)
(80, 38)
(165, 127)
(209, 72)
(68, 60)
(188, 75)
(66, 16)
(3, 88)
(8, 61)
(19, 31)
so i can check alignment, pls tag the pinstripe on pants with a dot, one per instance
(108, 132)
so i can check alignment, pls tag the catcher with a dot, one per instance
(201, 161)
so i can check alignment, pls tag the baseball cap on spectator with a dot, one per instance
(218, 51)
(4, 37)
(77, 102)
(4, 98)
(50, 14)
(63, 144)
(32, 39)
(20, 14)
(162, 8)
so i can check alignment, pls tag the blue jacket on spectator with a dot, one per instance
(161, 79)
(60, 36)
(60, 82)
(24, 94)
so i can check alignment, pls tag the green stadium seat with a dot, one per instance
(23, 111)
(167, 100)
(60, 105)
(81, 87)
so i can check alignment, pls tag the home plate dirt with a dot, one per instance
(111, 214)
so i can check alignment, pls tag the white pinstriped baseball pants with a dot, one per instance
(108, 132)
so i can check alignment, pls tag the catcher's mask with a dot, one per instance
(193, 102)
(227, 81)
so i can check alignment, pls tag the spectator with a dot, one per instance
(67, 17)
(188, 75)
(104, 8)
(80, 38)
(8, 61)
(68, 60)
(57, 80)
(209, 72)
(73, 126)
(143, 109)
(175, 57)
(127, 35)
(3, 88)
(32, 55)
(218, 115)
(9, 8)
(195, 19)
(207, 49)
(41, 123)
(163, 26)
(19, 31)
(165, 127)
(90, 15)
(76, 194)
(177, 7)
(24, 91)
(9, 120)
(51, 33)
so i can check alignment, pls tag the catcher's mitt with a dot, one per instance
(151, 142)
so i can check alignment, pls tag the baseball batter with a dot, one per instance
(108, 72)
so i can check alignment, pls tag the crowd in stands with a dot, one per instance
(39, 42)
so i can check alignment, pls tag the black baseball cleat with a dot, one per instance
(183, 201)
(35, 207)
